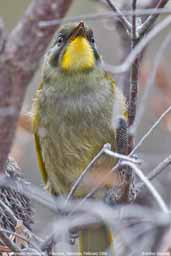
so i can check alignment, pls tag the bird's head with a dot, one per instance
(73, 49)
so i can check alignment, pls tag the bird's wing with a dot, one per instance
(120, 117)
(35, 124)
(40, 158)
(120, 100)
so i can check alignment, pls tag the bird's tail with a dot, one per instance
(96, 241)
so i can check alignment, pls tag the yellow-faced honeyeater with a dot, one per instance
(73, 112)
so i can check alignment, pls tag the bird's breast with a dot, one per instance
(73, 128)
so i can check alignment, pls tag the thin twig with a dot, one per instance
(150, 83)
(149, 22)
(21, 237)
(134, 22)
(105, 150)
(95, 189)
(58, 204)
(85, 171)
(116, 155)
(68, 223)
(122, 17)
(105, 15)
(151, 188)
(108, 215)
(97, 213)
(140, 46)
(162, 166)
(146, 135)
(125, 45)
(9, 212)
(11, 245)
(14, 219)
(132, 104)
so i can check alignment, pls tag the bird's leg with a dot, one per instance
(124, 191)
(122, 136)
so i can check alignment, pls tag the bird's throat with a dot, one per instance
(78, 56)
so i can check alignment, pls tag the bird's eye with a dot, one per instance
(92, 40)
(59, 40)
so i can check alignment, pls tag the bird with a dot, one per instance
(73, 115)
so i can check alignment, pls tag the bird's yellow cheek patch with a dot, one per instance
(78, 55)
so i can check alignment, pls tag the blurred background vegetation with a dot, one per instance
(108, 41)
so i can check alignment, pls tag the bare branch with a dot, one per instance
(11, 245)
(105, 15)
(159, 168)
(149, 22)
(146, 135)
(19, 236)
(149, 85)
(95, 189)
(122, 18)
(140, 46)
(132, 103)
(8, 211)
(16, 221)
(109, 152)
(87, 169)
(91, 206)
(151, 188)
(24, 48)
(97, 212)
(105, 150)
(156, 171)
(134, 25)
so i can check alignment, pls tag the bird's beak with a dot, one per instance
(78, 31)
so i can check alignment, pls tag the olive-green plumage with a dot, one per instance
(72, 114)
